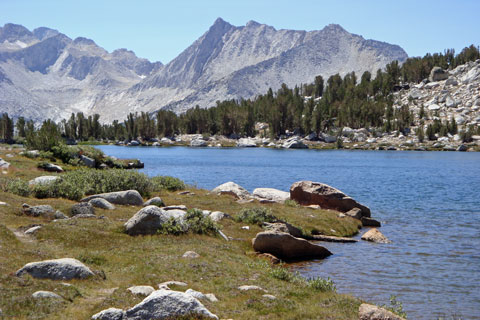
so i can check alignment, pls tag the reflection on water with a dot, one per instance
(428, 202)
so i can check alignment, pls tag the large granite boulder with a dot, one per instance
(315, 193)
(110, 314)
(246, 143)
(372, 312)
(149, 219)
(82, 208)
(4, 164)
(129, 197)
(156, 201)
(50, 167)
(198, 143)
(283, 227)
(294, 143)
(287, 247)
(89, 162)
(44, 180)
(101, 203)
(271, 194)
(374, 235)
(168, 304)
(437, 74)
(37, 211)
(232, 189)
(58, 269)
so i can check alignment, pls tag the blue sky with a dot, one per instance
(160, 30)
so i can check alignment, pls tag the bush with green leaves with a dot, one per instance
(321, 284)
(396, 307)
(167, 183)
(256, 215)
(19, 187)
(194, 222)
(291, 203)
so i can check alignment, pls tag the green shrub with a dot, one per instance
(172, 227)
(167, 183)
(291, 203)
(18, 187)
(94, 259)
(65, 153)
(396, 307)
(321, 284)
(282, 273)
(257, 215)
(200, 224)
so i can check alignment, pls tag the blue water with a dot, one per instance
(428, 202)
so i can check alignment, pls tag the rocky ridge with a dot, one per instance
(43, 73)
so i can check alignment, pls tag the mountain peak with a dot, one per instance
(44, 33)
(84, 41)
(12, 32)
(334, 27)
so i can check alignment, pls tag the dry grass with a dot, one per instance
(149, 260)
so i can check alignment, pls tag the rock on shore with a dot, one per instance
(372, 312)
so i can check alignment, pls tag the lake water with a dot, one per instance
(428, 203)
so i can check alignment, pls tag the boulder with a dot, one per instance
(129, 197)
(249, 288)
(450, 102)
(59, 215)
(437, 74)
(176, 207)
(101, 203)
(217, 216)
(374, 235)
(190, 255)
(58, 269)
(4, 164)
(84, 216)
(163, 304)
(110, 314)
(141, 290)
(43, 180)
(133, 143)
(283, 227)
(369, 222)
(316, 193)
(233, 189)
(156, 201)
(37, 211)
(149, 219)
(33, 230)
(451, 82)
(50, 167)
(89, 162)
(196, 294)
(46, 295)
(372, 312)
(246, 143)
(271, 194)
(172, 283)
(198, 143)
(287, 247)
(355, 213)
(327, 138)
(82, 208)
(462, 148)
(294, 143)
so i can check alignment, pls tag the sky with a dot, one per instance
(160, 30)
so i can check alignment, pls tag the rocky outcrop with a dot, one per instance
(168, 304)
(82, 208)
(233, 189)
(101, 203)
(437, 74)
(374, 235)
(43, 180)
(129, 197)
(37, 211)
(287, 247)
(271, 194)
(372, 312)
(156, 201)
(316, 193)
(58, 269)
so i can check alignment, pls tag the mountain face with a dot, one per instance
(46, 74)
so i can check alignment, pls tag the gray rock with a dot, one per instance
(374, 235)
(451, 82)
(37, 211)
(50, 167)
(371, 312)
(190, 255)
(89, 162)
(462, 147)
(175, 207)
(172, 283)
(437, 74)
(217, 216)
(129, 197)
(231, 188)
(82, 208)
(163, 304)
(434, 107)
(43, 180)
(157, 201)
(4, 164)
(85, 216)
(211, 297)
(149, 219)
(198, 143)
(101, 203)
(355, 213)
(250, 287)
(46, 295)
(415, 94)
(141, 290)
(33, 230)
(196, 294)
(246, 143)
(283, 227)
(450, 102)
(271, 194)
(59, 215)
(294, 143)
(58, 269)
(133, 143)
(269, 297)
(287, 247)
(110, 314)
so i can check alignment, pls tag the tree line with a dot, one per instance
(349, 101)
